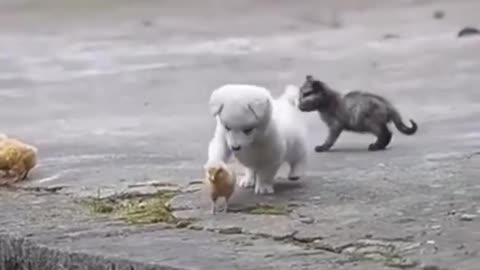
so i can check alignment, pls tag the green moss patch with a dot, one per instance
(137, 208)
(267, 209)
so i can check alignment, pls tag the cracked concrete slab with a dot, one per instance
(117, 104)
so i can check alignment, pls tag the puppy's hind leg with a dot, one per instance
(384, 136)
(296, 170)
(298, 163)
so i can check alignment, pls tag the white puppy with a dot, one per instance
(260, 131)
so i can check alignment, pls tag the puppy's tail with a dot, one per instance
(291, 95)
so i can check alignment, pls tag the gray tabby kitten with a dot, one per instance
(356, 111)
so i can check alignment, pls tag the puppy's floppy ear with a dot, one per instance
(259, 107)
(215, 103)
(216, 108)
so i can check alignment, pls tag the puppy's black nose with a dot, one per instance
(236, 148)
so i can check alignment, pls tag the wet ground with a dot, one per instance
(115, 94)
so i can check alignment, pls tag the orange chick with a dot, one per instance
(16, 159)
(221, 183)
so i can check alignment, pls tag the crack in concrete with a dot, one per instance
(53, 189)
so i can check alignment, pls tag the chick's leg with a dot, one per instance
(20, 171)
(214, 205)
(213, 208)
(6, 173)
(25, 175)
(225, 208)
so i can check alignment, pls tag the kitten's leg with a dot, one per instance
(384, 136)
(333, 134)
(248, 180)
(387, 136)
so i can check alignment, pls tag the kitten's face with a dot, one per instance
(312, 95)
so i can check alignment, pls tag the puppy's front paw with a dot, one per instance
(246, 182)
(263, 189)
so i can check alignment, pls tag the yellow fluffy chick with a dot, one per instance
(221, 183)
(16, 159)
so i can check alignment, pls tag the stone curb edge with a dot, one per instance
(18, 253)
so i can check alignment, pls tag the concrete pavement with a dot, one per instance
(115, 95)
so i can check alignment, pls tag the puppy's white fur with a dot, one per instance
(268, 131)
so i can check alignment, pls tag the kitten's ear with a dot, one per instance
(309, 78)
(319, 86)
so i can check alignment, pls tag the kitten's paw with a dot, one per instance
(246, 182)
(321, 148)
(375, 147)
(263, 189)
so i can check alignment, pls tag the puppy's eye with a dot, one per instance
(228, 128)
(247, 131)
